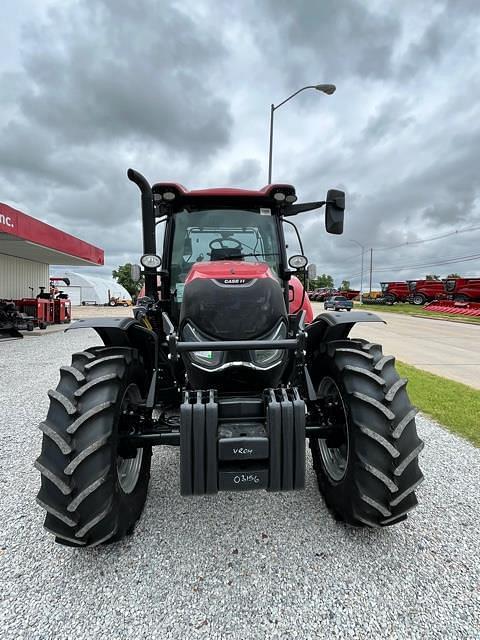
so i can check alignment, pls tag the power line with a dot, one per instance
(454, 260)
(431, 239)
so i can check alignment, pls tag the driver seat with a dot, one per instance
(225, 253)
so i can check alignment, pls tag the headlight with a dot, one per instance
(268, 357)
(205, 358)
(298, 262)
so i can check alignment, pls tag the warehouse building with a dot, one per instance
(86, 289)
(27, 249)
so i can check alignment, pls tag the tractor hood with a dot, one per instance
(229, 272)
(232, 300)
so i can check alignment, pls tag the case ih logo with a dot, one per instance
(235, 280)
(7, 221)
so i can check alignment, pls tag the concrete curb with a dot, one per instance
(54, 328)
(457, 320)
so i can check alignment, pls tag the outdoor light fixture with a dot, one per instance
(298, 262)
(150, 261)
(326, 88)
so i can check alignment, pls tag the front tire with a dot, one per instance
(93, 495)
(369, 472)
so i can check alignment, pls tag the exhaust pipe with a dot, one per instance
(148, 223)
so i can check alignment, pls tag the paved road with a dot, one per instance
(449, 349)
(235, 566)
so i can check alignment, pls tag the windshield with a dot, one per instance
(222, 234)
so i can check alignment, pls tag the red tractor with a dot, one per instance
(422, 291)
(463, 289)
(215, 363)
(395, 292)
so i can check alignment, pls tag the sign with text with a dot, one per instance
(8, 220)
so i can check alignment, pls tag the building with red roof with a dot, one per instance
(29, 246)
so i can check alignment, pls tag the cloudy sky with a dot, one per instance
(181, 91)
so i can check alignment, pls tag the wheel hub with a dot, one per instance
(128, 468)
(335, 449)
(128, 471)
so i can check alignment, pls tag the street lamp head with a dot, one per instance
(326, 88)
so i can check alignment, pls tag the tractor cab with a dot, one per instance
(222, 226)
(220, 236)
(226, 277)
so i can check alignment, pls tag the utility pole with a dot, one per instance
(371, 267)
(270, 151)
(361, 272)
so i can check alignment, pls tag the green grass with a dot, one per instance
(454, 405)
(413, 310)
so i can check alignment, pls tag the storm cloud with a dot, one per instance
(181, 91)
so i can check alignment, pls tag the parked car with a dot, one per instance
(319, 295)
(338, 303)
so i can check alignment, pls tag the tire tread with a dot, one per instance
(378, 489)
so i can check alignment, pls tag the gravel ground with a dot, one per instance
(252, 565)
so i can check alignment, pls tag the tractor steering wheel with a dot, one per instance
(222, 242)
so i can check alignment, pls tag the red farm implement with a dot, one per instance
(463, 289)
(453, 307)
(423, 291)
(395, 292)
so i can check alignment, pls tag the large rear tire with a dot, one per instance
(369, 472)
(93, 495)
(419, 299)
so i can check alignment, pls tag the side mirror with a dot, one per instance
(335, 211)
(135, 272)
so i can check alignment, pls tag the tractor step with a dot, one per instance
(242, 443)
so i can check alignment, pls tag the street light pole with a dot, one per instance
(371, 269)
(328, 89)
(272, 111)
(361, 271)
